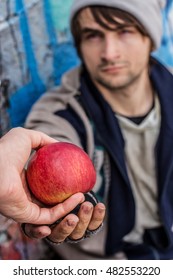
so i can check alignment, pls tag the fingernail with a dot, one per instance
(86, 209)
(72, 223)
(101, 210)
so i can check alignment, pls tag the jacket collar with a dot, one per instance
(162, 81)
(105, 122)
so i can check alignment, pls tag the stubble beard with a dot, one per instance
(116, 86)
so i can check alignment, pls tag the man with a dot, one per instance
(118, 107)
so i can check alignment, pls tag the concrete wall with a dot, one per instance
(36, 48)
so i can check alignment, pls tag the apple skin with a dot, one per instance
(58, 170)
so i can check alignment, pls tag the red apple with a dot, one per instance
(58, 170)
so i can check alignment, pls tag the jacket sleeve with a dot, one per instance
(42, 117)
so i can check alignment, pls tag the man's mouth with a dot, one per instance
(112, 69)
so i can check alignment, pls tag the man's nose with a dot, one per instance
(111, 49)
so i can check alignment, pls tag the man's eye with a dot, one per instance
(92, 36)
(126, 31)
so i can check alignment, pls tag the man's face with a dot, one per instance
(114, 59)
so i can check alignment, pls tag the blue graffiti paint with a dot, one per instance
(20, 104)
(53, 43)
(27, 41)
(61, 11)
(22, 100)
(165, 52)
(68, 58)
(169, 3)
(63, 54)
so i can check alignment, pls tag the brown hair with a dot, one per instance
(105, 16)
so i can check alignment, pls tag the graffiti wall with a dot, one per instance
(36, 48)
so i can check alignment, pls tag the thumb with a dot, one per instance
(44, 215)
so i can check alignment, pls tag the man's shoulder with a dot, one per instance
(161, 72)
(71, 78)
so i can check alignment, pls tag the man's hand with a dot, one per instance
(16, 201)
(73, 226)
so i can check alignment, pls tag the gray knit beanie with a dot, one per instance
(147, 12)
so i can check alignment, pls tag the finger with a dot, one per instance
(84, 214)
(37, 215)
(39, 139)
(37, 232)
(61, 231)
(97, 217)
